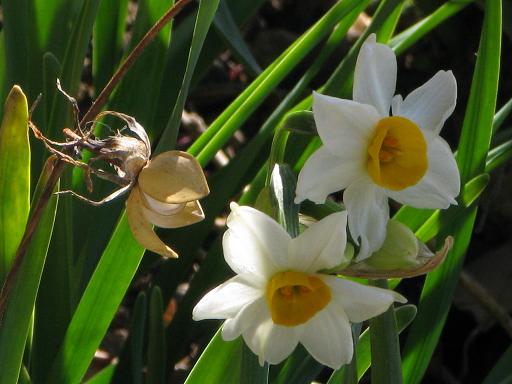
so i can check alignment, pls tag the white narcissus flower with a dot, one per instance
(166, 195)
(279, 298)
(374, 156)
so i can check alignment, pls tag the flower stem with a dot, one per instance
(386, 362)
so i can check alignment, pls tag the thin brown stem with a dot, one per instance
(132, 57)
(59, 164)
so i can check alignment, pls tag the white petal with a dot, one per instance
(324, 173)
(272, 343)
(254, 242)
(431, 104)
(368, 214)
(375, 75)
(328, 337)
(440, 185)
(251, 315)
(320, 246)
(361, 302)
(227, 299)
(162, 208)
(345, 126)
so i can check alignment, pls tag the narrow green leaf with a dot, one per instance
(501, 372)
(251, 372)
(24, 376)
(404, 316)
(108, 33)
(21, 45)
(205, 15)
(300, 367)
(219, 363)
(501, 116)
(15, 179)
(72, 66)
(411, 35)
(439, 286)
(226, 124)
(283, 184)
(156, 341)
(473, 189)
(386, 362)
(441, 283)
(498, 156)
(149, 66)
(227, 28)
(97, 306)
(130, 368)
(15, 324)
(478, 120)
(104, 376)
(3, 71)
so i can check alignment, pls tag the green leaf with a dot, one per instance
(439, 286)
(104, 376)
(20, 304)
(300, 367)
(404, 316)
(205, 15)
(386, 362)
(478, 120)
(130, 368)
(108, 33)
(411, 35)
(15, 179)
(219, 363)
(239, 110)
(501, 372)
(251, 372)
(72, 65)
(156, 341)
(501, 116)
(498, 156)
(283, 184)
(227, 28)
(97, 306)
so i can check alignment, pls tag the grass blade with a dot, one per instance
(501, 373)
(20, 304)
(97, 306)
(386, 361)
(205, 15)
(219, 363)
(439, 286)
(404, 316)
(15, 179)
(227, 28)
(156, 340)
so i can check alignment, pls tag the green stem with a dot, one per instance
(386, 362)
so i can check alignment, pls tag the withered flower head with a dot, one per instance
(166, 196)
(164, 191)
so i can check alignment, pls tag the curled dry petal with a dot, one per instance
(173, 177)
(188, 213)
(425, 264)
(142, 229)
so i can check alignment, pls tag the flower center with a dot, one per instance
(397, 153)
(295, 297)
